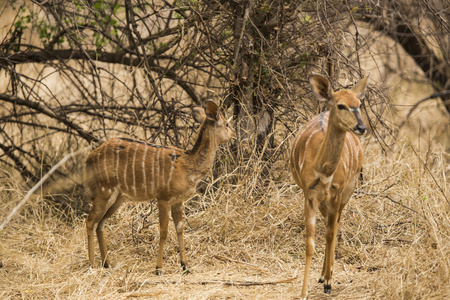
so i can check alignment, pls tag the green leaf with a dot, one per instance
(307, 19)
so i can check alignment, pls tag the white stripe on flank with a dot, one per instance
(357, 155)
(116, 169)
(306, 146)
(105, 164)
(134, 170)
(144, 171)
(161, 172)
(293, 159)
(157, 177)
(300, 134)
(125, 169)
(152, 180)
(171, 170)
(352, 146)
(311, 125)
(98, 168)
(343, 156)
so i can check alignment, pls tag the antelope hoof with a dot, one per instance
(158, 271)
(106, 265)
(321, 280)
(185, 269)
(327, 288)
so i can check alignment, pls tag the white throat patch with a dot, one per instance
(324, 179)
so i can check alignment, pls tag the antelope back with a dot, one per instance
(140, 170)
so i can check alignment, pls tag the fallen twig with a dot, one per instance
(224, 258)
(251, 283)
(214, 281)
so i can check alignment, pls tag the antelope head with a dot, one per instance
(344, 104)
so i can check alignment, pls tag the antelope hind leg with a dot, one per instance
(100, 232)
(98, 210)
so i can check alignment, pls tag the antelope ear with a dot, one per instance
(321, 87)
(212, 110)
(360, 87)
(199, 114)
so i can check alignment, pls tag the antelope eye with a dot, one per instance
(341, 107)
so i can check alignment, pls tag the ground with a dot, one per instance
(245, 242)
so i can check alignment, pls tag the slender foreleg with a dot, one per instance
(330, 237)
(310, 220)
(177, 215)
(163, 207)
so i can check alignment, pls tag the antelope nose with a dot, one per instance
(361, 128)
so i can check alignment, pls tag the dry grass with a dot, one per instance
(244, 237)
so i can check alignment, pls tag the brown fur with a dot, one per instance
(121, 169)
(326, 158)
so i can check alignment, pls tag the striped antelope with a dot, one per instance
(124, 168)
(326, 158)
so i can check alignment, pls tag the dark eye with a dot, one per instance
(340, 106)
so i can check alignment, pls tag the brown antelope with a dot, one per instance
(123, 168)
(326, 158)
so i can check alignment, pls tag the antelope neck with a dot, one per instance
(331, 148)
(202, 155)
